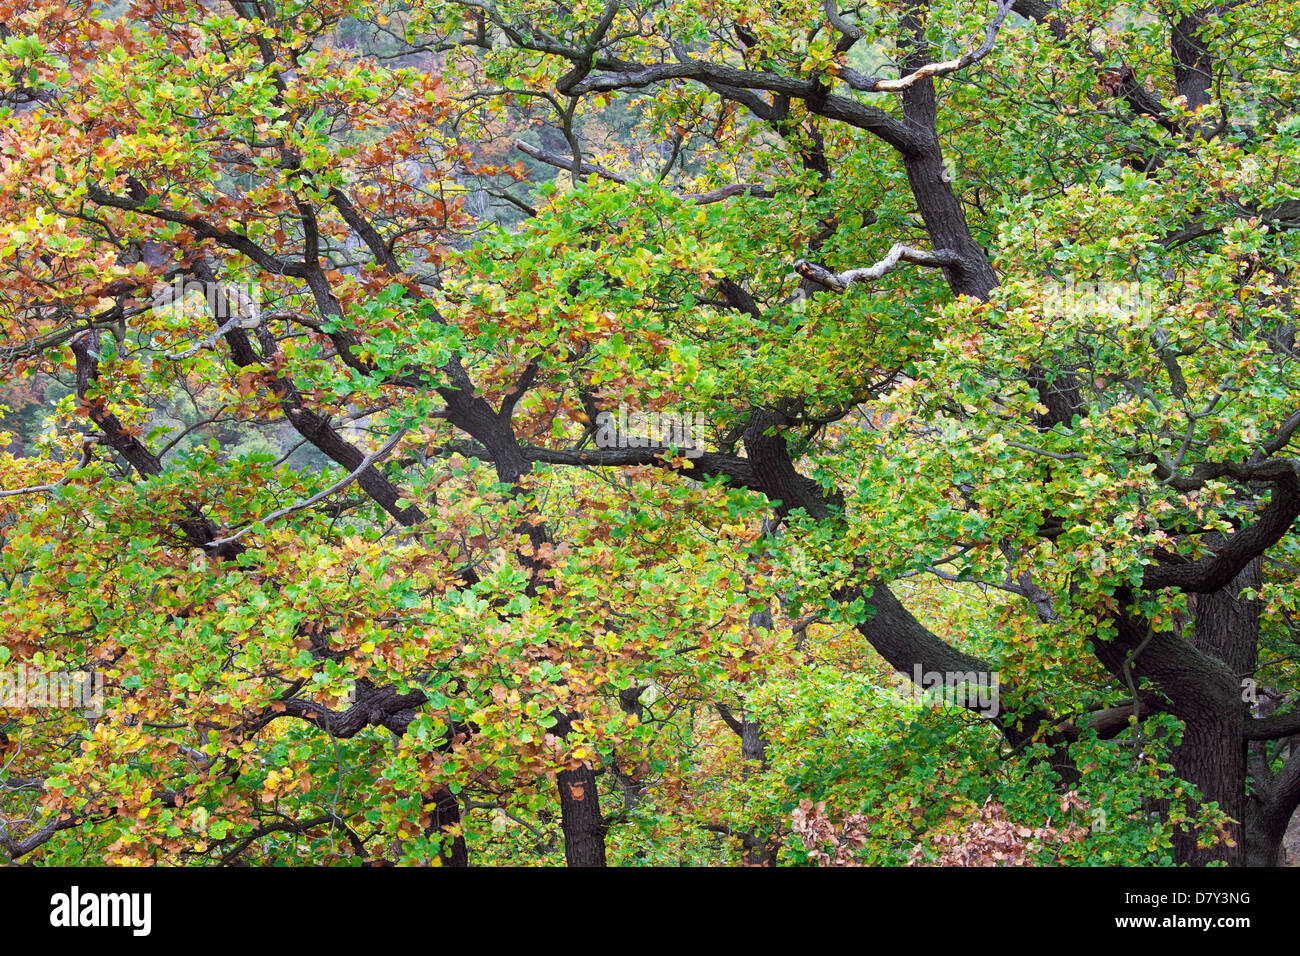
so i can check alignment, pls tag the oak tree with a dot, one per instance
(497, 432)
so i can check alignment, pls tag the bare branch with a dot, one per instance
(875, 84)
(338, 486)
(563, 162)
(839, 281)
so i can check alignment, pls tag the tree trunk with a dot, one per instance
(446, 813)
(584, 829)
(1213, 753)
(1213, 758)
(1266, 823)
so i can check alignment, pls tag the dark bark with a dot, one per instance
(197, 528)
(311, 426)
(753, 745)
(1270, 808)
(1203, 691)
(584, 830)
(1227, 627)
(445, 813)
(1234, 554)
(1211, 756)
(1227, 624)
(1193, 65)
(580, 817)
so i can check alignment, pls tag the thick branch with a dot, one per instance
(1216, 571)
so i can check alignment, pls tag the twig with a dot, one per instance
(334, 488)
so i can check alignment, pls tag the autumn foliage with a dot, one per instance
(982, 317)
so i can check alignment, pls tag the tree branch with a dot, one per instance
(840, 281)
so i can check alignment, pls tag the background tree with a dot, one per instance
(986, 307)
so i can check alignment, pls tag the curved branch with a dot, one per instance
(839, 281)
(876, 84)
(1217, 570)
(370, 459)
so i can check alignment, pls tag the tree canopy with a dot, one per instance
(706, 432)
